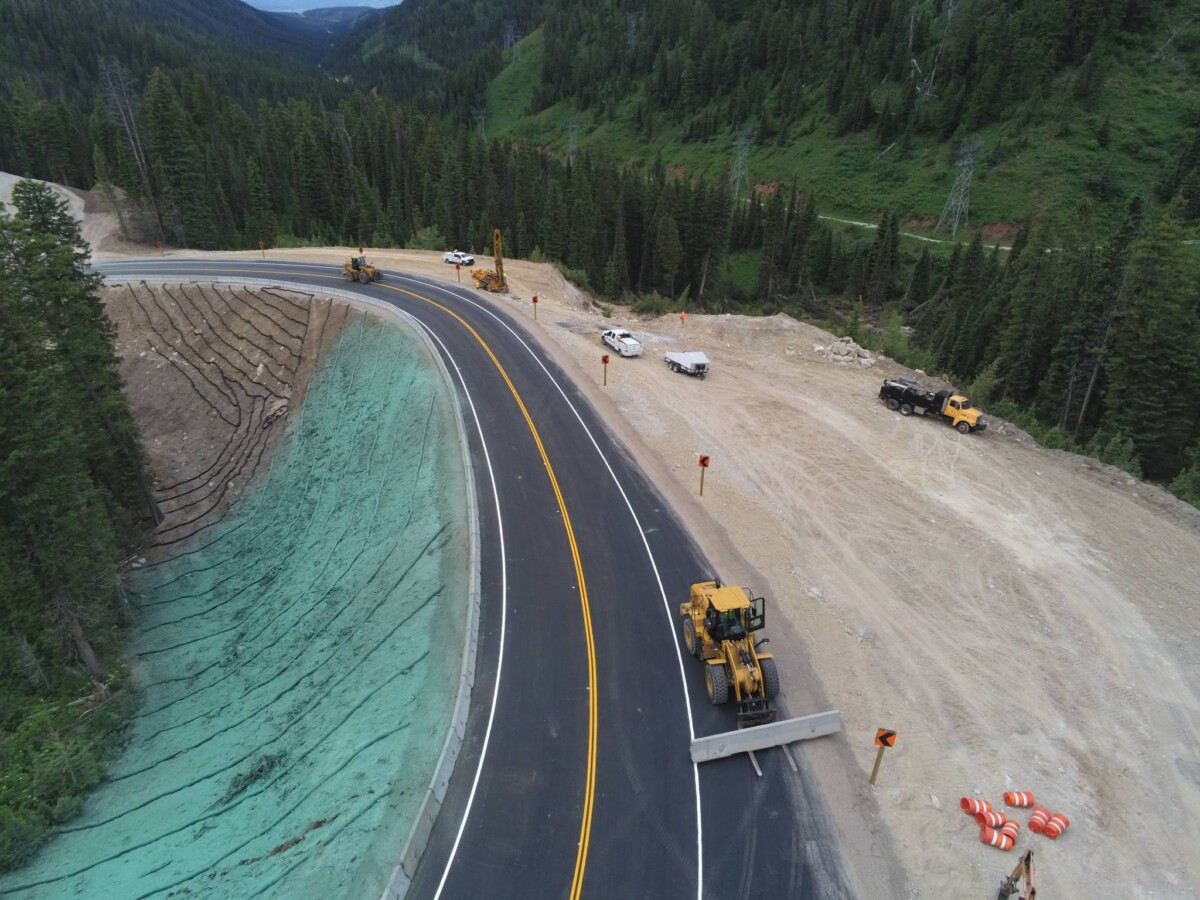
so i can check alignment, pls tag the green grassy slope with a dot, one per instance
(1037, 162)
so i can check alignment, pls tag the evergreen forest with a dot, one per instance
(73, 499)
(597, 136)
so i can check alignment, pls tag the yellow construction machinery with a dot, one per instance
(492, 279)
(719, 622)
(1022, 873)
(358, 269)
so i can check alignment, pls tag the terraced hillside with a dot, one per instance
(300, 621)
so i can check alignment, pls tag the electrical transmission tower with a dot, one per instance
(572, 126)
(742, 142)
(958, 203)
(510, 40)
(479, 114)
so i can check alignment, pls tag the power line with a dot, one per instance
(572, 127)
(743, 140)
(511, 39)
(958, 203)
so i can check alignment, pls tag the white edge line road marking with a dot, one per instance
(504, 606)
(503, 585)
(487, 735)
(645, 544)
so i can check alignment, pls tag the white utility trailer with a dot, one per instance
(693, 362)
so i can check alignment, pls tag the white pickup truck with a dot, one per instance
(458, 256)
(622, 341)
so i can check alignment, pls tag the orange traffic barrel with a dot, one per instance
(1018, 798)
(974, 807)
(994, 838)
(1012, 829)
(990, 819)
(1037, 822)
(1056, 825)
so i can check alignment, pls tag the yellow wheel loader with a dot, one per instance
(719, 622)
(358, 269)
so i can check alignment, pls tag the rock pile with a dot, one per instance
(844, 350)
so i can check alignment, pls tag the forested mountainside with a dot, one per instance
(438, 55)
(331, 24)
(53, 56)
(866, 104)
(1053, 331)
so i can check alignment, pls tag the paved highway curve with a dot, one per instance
(574, 778)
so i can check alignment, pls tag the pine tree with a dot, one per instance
(178, 168)
(668, 251)
(1152, 374)
(884, 261)
(48, 256)
(260, 221)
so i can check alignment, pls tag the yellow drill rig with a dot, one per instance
(718, 627)
(492, 279)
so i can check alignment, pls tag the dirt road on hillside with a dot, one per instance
(1025, 619)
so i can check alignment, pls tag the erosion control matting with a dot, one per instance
(299, 658)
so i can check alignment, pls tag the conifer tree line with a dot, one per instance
(1099, 340)
(72, 470)
(203, 170)
(73, 498)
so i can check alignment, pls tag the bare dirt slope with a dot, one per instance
(1025, 619)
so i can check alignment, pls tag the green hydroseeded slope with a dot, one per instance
(299, 660)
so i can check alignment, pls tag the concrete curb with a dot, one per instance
(435, 794)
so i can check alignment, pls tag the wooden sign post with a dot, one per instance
(884, 738)
(604, 362)
(535, 315)
(262, 248)
(161, 247)
(458, 272)
(704, 461)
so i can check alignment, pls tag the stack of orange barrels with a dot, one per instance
(998, 830)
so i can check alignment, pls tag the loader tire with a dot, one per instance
(892, 403)
(716, 679)
(363, 277)
(689, 637)
(963, 428)
(770, 674)
(905, 409)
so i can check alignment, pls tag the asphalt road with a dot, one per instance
(574, 778)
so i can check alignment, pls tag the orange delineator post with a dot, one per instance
(1018, 798)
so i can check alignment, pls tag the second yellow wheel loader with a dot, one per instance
(719, 622)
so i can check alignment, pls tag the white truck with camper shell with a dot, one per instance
(621, 341)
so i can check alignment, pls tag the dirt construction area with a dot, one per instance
(1024, 619)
